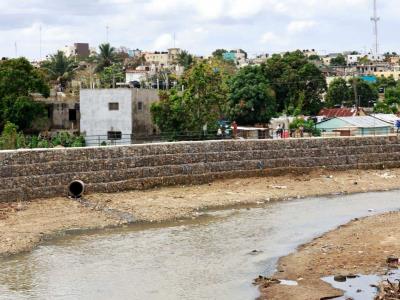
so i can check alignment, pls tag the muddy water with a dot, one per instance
(208, 258)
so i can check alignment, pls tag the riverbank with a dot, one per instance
(360, 247)
(24, 225)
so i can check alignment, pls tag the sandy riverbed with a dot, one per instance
(360, 247)
(24, 225)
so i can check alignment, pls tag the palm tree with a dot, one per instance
(185, 59)
(60, 67)
(106, 56)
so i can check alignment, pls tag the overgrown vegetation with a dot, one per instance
(11, 138)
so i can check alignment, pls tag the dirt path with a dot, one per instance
(360, 247)
(24, 225)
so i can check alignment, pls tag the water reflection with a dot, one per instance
(203, 259)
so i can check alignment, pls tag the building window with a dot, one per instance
(72, 114)
(113, 106)
(140, 106)
(114, 135)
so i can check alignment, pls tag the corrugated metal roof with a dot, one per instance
(390, 118)
(337, 112)
(364, 122)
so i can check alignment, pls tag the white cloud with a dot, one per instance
(201, 26)
(163, 41)
(300, 26)
(269, 37)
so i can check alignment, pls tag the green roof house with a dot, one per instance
(355, 126)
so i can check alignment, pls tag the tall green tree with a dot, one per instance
(202, 102)
(205, 94)
(251, 99)
(219, 53)
(338, 61)
(298, 83)
(106, 56)
(185, 59)
(169, 114)
(367, 93)
(338, 93)
(18, 80)
(111, 75)
(60, 68)
(391, 103)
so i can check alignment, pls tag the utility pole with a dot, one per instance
(355, 93)
(375, 19)
(16, 49)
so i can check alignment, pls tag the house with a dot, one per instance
(78, 49)
(135, 76)
(327, 59)
(163, 59)
(354, 126)
(116, 116)
(63, 111)
(388, 118)
(328, 113)
(353, 58)
(238, 57)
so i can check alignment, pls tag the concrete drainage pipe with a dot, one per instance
(76, 188)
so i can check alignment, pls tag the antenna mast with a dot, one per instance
(375, 19)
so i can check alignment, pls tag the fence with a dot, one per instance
(262, 133)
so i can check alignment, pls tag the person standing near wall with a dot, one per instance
(235, 129)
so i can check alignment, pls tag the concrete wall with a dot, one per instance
(97, 119)
(132, 118)
(28, 174)
(142, 121)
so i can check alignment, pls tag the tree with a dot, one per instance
(202, 102)
(185, 59)
(364, 60)
(251, 98)
(112, 75)
(205, 95)
(298, 83)
(169, 114)
(366, 93)
(386, 82)
(18, 80)
(391, 102)
(219, 53)
(314, 57)
(106, 56)
(60, 68)
(10, 138)
(338, 93)
(339, 61)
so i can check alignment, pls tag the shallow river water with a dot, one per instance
(208, 258)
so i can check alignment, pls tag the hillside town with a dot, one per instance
(109, 96)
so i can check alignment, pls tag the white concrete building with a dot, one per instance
(353, 58)
(106, 115)
(135, 75)
(116, 116)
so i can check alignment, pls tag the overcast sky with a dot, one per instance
(200, 26)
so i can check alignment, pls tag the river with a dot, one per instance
(207, 258)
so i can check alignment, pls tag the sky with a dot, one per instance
(199, 26)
